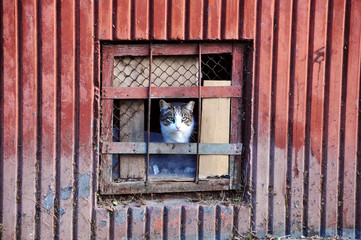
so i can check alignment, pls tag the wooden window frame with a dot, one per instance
(109, 93)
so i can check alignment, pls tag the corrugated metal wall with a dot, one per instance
(305, 93)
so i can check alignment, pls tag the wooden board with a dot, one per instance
(131, 129)
(215, 129)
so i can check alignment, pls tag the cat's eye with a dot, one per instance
(171, 119)
(184, 119)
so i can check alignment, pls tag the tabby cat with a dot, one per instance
(176, 121)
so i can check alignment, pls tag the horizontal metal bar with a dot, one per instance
(170, 92)
(168, 49)
(172, 148)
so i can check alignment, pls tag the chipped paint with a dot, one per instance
(120, 217)
(65, 192)
(49, 200)
(84, 185)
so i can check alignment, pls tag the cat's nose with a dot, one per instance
(177, 128)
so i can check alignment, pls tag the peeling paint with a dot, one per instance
(61, 211)
(84, 185)
(120, 217)
(65, 192)
(138, 215)
(48, 200)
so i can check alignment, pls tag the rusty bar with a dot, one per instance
(199, 108)
(171, 148)
(149, 109)
(171, 92)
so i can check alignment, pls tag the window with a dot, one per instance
(135, 77)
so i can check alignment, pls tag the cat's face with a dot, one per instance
(176, 120)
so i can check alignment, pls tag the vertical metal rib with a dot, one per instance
(148, 119)
(199, 108)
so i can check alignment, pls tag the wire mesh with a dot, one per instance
(175, 71)
(130, 71)
(128, 120)
(216, 67)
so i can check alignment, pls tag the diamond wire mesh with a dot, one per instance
(175, 71)
(216, 67)
(130, 71)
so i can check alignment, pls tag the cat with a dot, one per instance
(176, 121)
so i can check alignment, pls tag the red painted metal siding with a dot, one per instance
(304, 96)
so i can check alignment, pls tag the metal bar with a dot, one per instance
(196, 180)
(171, 92)
(148, 119)
(171, 148)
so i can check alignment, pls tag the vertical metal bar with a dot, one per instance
(199, 108)
(148, 119)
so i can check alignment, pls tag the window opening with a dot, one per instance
(133, 148)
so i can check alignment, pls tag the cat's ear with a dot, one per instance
(190, 106)
(163, 105)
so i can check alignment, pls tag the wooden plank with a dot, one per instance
(213, 30)
(231, 20)
(86, 118)
(159, 30)
(235, 167)
(263, 80)
(281, 76)
(317, 75)
(131, 129)
(215, 116)
(164, 187)
(123, 24)
(106, 131)
(10, 113)
(298, 118)
(67, 71)
(351, 125)
(171, 92)
(29, 118)
(141, 24)
(177, 20)
(334, 112)
(102, 223)
(248, 29)
(195, 20)
(48, 141)
(105, 19)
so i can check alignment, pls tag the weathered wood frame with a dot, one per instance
(109, 93)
